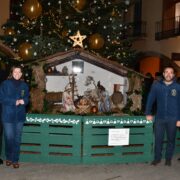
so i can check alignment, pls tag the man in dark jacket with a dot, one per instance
(166, 93)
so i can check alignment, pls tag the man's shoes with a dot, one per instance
(168, 162)
(155, 162)
(1, 161)
(15, 165)
(8, 163)
(178, 159)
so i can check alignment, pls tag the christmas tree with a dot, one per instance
(38, 28)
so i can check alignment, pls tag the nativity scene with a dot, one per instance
(82, 83)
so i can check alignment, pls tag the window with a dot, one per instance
(177, 15)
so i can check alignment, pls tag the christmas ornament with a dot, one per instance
(9, 31)
(78, 4)
(32, 9)
(64, 33)
(78, 39)
(127, 2)
(114, 12)
(25, 51)
(25, 22)
(115, 42)
(96, 41)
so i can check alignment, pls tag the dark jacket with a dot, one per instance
(9, 93)
(167, 98)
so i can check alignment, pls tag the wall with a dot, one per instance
(4, 13)
(150, 65)
(151, 13)
(106, 78)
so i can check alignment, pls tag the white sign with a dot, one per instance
(118, 137)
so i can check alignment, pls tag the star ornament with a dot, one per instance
(78, 39)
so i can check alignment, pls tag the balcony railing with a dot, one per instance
(167, 28)
(138, 29)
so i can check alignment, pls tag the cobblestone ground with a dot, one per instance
(138, 171)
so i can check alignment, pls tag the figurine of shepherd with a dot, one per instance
(67, 99)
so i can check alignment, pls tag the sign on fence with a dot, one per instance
(118, 137)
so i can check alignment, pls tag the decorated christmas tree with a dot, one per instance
(38, 28)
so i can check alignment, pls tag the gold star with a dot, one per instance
(78, 39)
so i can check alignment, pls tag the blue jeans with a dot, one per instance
(162, 127)
(12, 137)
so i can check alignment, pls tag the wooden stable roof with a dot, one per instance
(112, 66)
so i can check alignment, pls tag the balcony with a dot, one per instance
(167, 28)
(137, 30)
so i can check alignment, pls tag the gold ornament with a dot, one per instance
(78, 39)
(25, 51)
(32, 9)
(79, 4)
(9, 31)
(96, 41)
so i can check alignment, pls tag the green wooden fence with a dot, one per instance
(52, 139)
(177, 148)
(95, 140)
(84, 139)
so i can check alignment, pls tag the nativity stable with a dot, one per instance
(80, 82)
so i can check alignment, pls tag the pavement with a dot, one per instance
(134, 171)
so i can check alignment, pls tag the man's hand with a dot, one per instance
(21, 101)
(17, 102)
(178, 123)
(149, 117)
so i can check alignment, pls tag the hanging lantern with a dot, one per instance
(9, 31)
(25, 51)
(32, 9)
(79, 4)
(96, 41)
